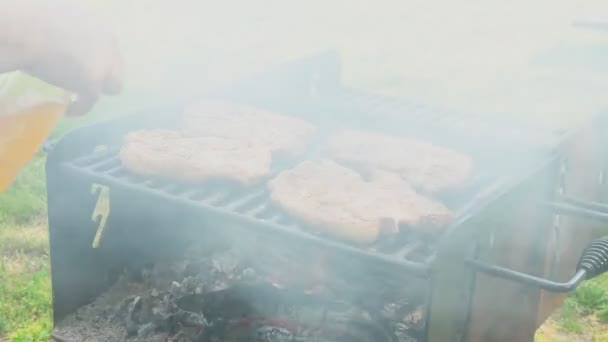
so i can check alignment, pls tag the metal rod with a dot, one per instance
(576, 211)
(601, 207)
(528, 279)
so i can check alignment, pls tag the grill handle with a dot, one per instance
(545, 284)
(593, 262)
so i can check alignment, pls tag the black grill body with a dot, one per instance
(102, 219)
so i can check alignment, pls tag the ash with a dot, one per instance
(223, 297)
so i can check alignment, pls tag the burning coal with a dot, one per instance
(222, 297)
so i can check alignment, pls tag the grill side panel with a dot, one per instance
(515, 237)
(584, 165)
(78, 274)
(471, 307)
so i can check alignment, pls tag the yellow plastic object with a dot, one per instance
(22, 135)
(29, 110)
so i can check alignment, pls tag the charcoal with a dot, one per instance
(193, 269)
(248, 274)
(193, 302)
(225, 263)
(134, 308)
(189, 285)
(158, 338)
(175, 289)
(269, 333)
(146, 330)
(131, 320)
(406, 338)
(188, 319)
(218, 297)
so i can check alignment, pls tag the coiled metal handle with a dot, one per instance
(594, 260)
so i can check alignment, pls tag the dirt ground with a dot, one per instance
(551, 332)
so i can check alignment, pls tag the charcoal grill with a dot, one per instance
(485, 275)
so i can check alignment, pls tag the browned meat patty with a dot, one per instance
(284, 135)
(426, 167)
(338, 202)
(167, 153)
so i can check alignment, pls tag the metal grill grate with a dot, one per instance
(250, 206)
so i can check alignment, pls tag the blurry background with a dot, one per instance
(518, 58)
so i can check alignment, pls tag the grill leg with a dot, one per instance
(450, 297)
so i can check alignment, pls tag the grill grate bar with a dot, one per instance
(116, 171)
(256, 211)
(105, 165)
(176, 189)
(406, 251)
(245, 200)
(90, 159)
(155, 184)
(202, 196)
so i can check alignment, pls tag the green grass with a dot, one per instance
(25, 289)
(591, 296)
(569, 316)
(25, 313)
(25, 292)
(26, 199)
(588, 305)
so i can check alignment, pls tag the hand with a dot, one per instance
(63, 44)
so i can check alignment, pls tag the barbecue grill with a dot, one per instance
(520, 226)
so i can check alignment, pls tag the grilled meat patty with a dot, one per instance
(338, 202)
(167, 153)
(217, 140)
(282, 135)
(426, 167)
